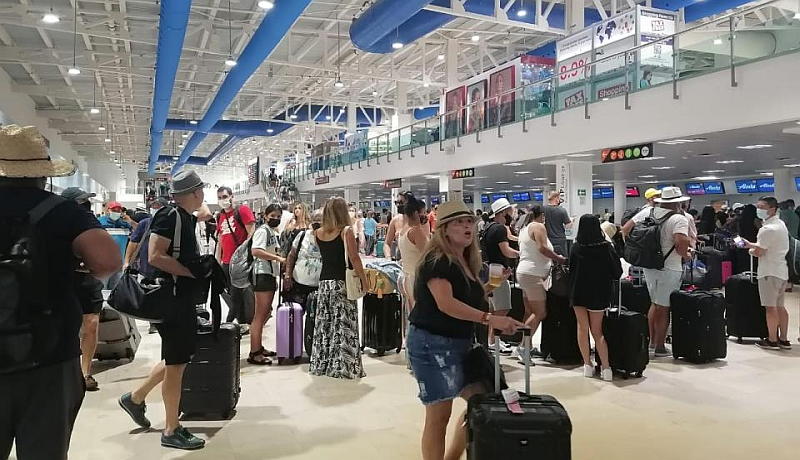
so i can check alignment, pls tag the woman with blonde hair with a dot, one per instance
(337, 350)
(449, 301)
(301, 220)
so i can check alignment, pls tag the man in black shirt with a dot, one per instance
(178, 334)
(498, 251)
(39, 401)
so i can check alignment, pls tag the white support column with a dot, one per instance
(574, 183)
(402, 95)
(454, 188)
(352, 117)
(619, 200)
(452, 62)
(476, 201)
(574, 15)
(351, 195)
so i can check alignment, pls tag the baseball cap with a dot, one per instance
(113, 205)
(651, 193)
(76, 194)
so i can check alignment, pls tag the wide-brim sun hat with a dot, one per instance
(452, 210)
(185, 182)
(501, 205)
(23, 154)
(672, 195)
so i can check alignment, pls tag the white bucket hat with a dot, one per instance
(672, 195)
(501, 205)
(23, 154)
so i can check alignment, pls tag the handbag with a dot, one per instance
(352, 282)
(148, 299)
(559, 275)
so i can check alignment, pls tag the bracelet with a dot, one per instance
(485, 318)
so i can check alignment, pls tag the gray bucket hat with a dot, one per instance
(185, 182)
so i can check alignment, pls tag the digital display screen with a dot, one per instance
(714, 188)
(632, 191)
(538, 195)
(376, 204)
(695, 188)
(387, 204)
(468, 199)
(746, 186)
(484, 199)
(766, 185)
(497, 196)
(602, 192)
(434, 200)
(661, 186)
(797, 183)
(595, 193)
(521, 196)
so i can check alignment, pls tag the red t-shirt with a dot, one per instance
(231, 233)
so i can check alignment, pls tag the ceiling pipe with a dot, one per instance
(173, 19)
(266, 38)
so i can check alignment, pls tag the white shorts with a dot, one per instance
(532, 287)
(661, 284)
(772, 291)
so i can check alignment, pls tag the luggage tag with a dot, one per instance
(511, 397)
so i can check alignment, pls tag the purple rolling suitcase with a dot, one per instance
(289, 332)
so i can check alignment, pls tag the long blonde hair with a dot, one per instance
(335, 214)
(305, 219)
(439, 246)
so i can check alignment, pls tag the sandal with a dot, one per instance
(268, 353)
(263, 361)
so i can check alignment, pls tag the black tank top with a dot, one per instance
(333, 259)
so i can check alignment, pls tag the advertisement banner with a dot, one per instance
(610, 88)
(562, 182)
(571, 46)
(355, 146)
(578, 73)
(571, 98)
(615, 29)
(654, 25)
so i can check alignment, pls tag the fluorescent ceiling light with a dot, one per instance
(426, 84)
(475, 38)
(293, 116)
(502, 182)
(766, 174)
(489, 188)
(182, 145)
(440, 57)
(729, 162)
(682, 141)
(605, 185)
(647, 176)
(50, 18)
(338, 83)
(717, 41)
(192, 122)
(651, 158)
(101, 128)
(663, 168)
(374, 92)
(754, 146)
(512, 164)
(111, 152)
(270, 130)
(94, 111)
(74, 71)
(230, 62)
(714, 171)
(539, 178)
(706, 178)
(796, 15)
(265, 5)
(185, 135)
(522, 172)
(605, 99)
(431, 176)
(397, 45)
(793, 165)
(522, 13)
(108, 139)
(327, 117)
(580, 155)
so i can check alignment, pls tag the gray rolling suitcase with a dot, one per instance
(117, 336)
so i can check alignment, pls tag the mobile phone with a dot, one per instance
(739, 241)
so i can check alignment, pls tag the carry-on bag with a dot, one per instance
(560, 332)
(698, 326)
(628, 338)
(635, 296)
(718, 268)
(211, 384)
(382, 322)
(538, 428)
(117, 335)
(289, 332)
(744, 314)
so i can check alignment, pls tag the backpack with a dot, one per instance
(241, 265)
(28, 327)
(629, 214)
(482, 240)
(793, 260)
(643, 245)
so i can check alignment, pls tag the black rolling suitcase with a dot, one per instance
(211, 383)
(698, 326)
(560, 332)
(744, 314)
(382, 322)
(635, 296)
(542, 431)
(718, 268)
(627, 335)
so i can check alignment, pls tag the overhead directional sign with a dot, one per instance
(393, 183)
(463, 173)
(632, 152)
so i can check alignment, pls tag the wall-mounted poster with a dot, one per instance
(476, 113)
(617, 28)
(454, 99)
(500, 82)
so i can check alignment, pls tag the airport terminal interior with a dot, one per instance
(475, 107)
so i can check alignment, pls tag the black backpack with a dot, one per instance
(28, 326)
(643, 245)
(482, 240)
(793, 260)
(629, 214)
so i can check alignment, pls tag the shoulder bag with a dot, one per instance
(355, 290)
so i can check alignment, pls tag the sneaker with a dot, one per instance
(767, 345)
(91, 383)
(520, 352)
(661, 352)
(152, 329)
(588, 371)
(785, 344)
(652, 346)
(504, 349)
(182, 439)
(607, 375)
(136, 411)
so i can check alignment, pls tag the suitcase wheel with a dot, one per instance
(739, 340)
(129, 355)
(280, 361)
(639, 375)
(398, 349)
(381, 351)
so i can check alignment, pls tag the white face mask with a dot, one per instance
(114, 215)
(762, 214)
(225, 204)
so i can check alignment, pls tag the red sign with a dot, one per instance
(322, 180)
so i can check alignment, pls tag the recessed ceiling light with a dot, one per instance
(440, 57)
(475, 38)
(522, 12)
(754, 146)
(230, 62)
(374, 92)
(74, 71)
(425, 84)
(327, 117)
(729, 162)
(50, 18)
(265, 5)
(512, 164)
(94, 111)
(192, 122)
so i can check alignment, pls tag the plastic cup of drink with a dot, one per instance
(495, 274)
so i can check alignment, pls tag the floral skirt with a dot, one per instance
(337, 351)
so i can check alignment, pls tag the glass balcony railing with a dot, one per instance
(723, 43)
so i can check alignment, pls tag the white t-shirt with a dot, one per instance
(267, 239)
(774, 238)
(286, 216)
(677, 224)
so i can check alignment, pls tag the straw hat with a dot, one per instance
(672, 195)
(451, 210)
(23, 154)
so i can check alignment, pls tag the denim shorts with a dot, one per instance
(661, 284)
(438, 364)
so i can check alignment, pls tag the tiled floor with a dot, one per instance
(745, 407)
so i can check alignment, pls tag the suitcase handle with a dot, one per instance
(526, 340)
